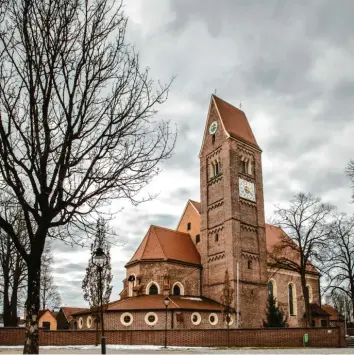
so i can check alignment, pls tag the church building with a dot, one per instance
(225, 231)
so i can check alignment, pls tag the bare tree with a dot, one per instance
(50, 296)
(77, 123)
(349, 171)
(305, 222)
(341, 302)
(338, 257)
(13, 270)
(94, 283)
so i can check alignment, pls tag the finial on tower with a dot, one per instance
(240, 105)
(215, 91)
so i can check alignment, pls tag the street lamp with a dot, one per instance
(166, 302)
(99, 259)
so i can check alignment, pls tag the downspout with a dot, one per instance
(201, 281)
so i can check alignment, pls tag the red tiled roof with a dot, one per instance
(334, 314)
(166, 244)
(42, 312)
(274, 236)
(234, 121)
(156, 302)
(68, 311)
(196, 205)
(317, 311)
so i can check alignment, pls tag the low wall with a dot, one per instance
(285, 337)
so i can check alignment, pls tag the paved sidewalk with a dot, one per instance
(153, 350)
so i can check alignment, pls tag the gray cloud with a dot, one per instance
(290, 63)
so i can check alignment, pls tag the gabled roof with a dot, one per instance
(317, 311)
(234, 121)
(274, 236)
(44, 311)
(68, 311)
(166, 244)
(196, 205)
(334, 314)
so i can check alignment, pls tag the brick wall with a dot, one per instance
(290, 337)
(176, 319)
(188, 276)
(282, 279)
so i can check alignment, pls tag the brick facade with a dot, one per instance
(165, 275)
(282, 280)
(239, 223)
(176, 319)
(231, 234)
(318, 337)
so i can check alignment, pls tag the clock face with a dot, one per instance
(213, 127)
(247, 190)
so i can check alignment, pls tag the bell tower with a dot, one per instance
(232, 211)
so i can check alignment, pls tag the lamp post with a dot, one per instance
(99, 259)
(166, 302)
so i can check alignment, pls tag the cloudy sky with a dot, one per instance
(289, 63)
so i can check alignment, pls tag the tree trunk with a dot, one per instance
(7, 310)
(306, 300)
(32, 305)
(13, 306)
(14, 294)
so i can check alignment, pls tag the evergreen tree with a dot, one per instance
(274, 317)
(91, 282)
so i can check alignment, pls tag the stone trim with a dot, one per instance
(249, 256)
(216, 257)
(126, 324)
(214, 153)
(248, 227)
(215, 179)
(248, 203)
(216, 205)
(215, 230)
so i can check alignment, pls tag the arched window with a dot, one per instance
(153, 290)
(291, 299)
(131, 284)
(176, 290)
(309, 293)
(270, 289)
(217, 168)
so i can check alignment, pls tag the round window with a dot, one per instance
(213, 319)
(229, 319)
(89, 322)
(196, 318)
(151, 318)
(126, 319)
(81, 322)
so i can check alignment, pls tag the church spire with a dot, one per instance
(234, 121)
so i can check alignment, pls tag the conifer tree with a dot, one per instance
(91, 282)
(274, 316)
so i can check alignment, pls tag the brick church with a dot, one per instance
(226, 230)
